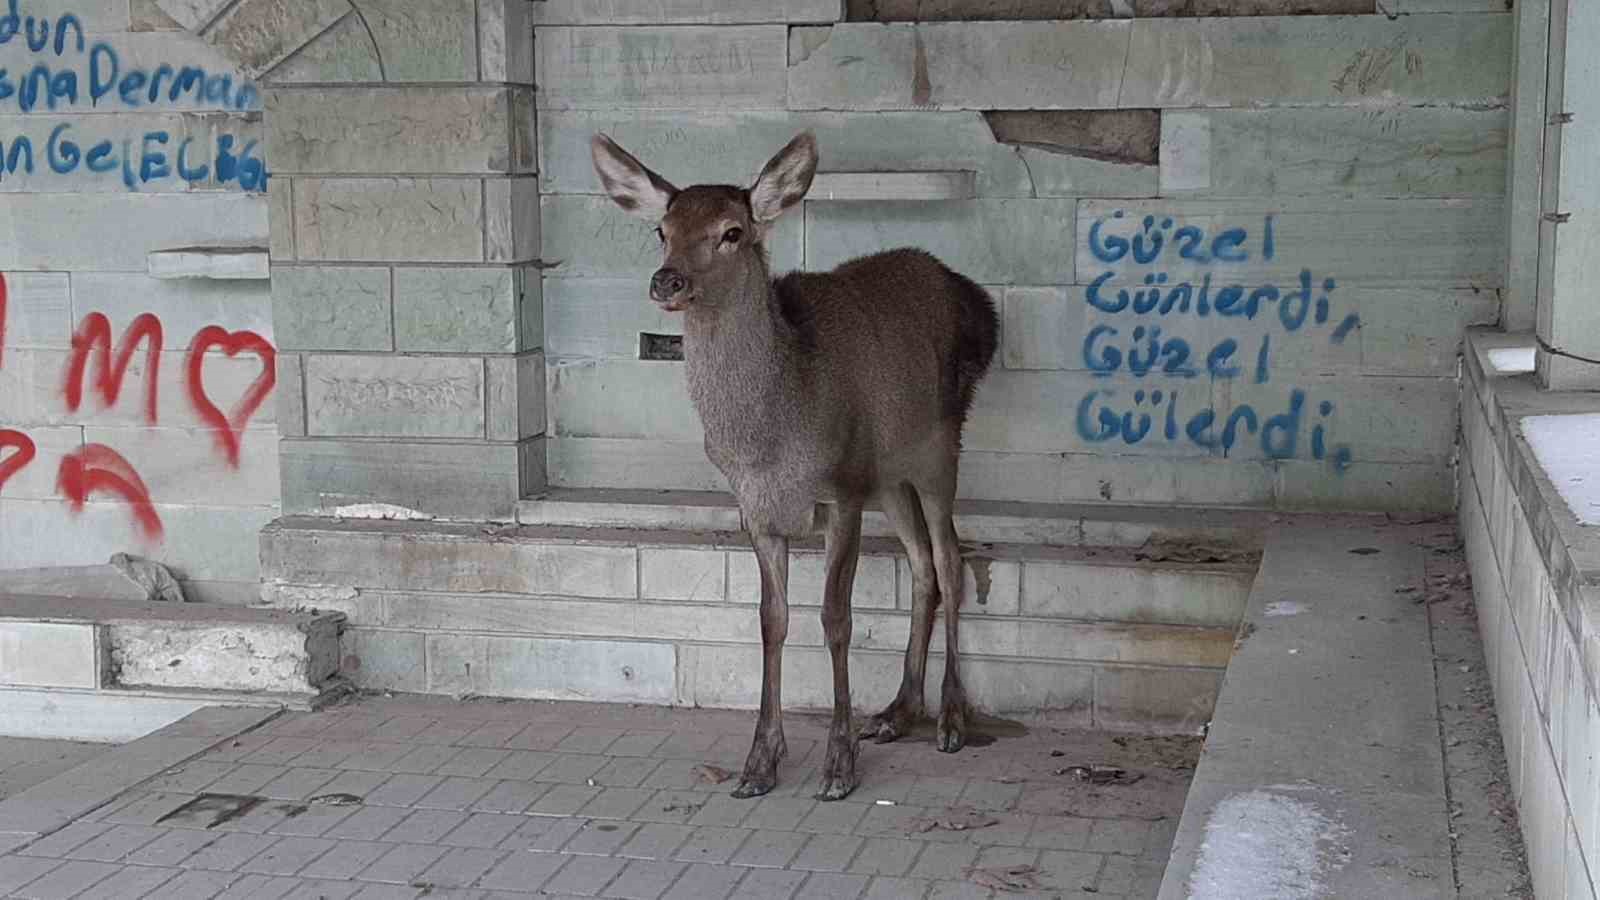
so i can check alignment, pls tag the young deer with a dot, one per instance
(828, 388)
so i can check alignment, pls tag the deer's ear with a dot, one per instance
(785, 180)
(634, 187)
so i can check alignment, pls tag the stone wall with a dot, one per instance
(1263, 309)
(121, 134)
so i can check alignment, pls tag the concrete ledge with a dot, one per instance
(893, 186)
(225, 263)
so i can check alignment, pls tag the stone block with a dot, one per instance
(332, 308)
(37, 479)
(50, 654)
(1432, 243)
(685, 12)
(399, 396)
(505, 53)
(402, 219)
(552, 669)
(1024, 241)
(601, 317)
(290, 396)
(516, 396)
(874, 585)
(183, 465)
(733, 66)
(1392, 487)
(1034, 65)
(517, 614)
(460, 310)
(511, 213)
(377, 660)
(380, 130)
(424, 40)
(201, 543)
(715, 147)
(1430, 152)
(621, 399)
(280, 199)
(38, 312)
(115, 232)
(1040, 412)
(31, 389)
(462, 480)
(290, 653)
(1380, 419)
(1304, 60)
(1146, 594)
(259, 34)
(29, 140)
(147, 15)
(996, 594)
(586, 236)
(192, 15)
(344, 54)
(629, 463)
(669, 573)
(859, 186)
(127, 59)
(1175, 701)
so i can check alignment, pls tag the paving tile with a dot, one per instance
(354, 725)
(1119, 836)
(67, 880)
(298, 783)
(563, 800)
(1008, 829)
(542, 833)
(644, 880)
(403, 790)
(445, 731)
(1059, 833)
(423, 760)
(116, 843)
(367, 823)
(288, 856)
(228, 852)
(281, 751)
(326, 754)
(886, 856)
(196, 885)
(456, 792)
(884, 888)
(191, 777)
(173, 847)
(723, 811)
(1004, 857)
(402, 727)
(472, 761)
(240, 747)
(146, 809)
(599, 837)
(511, 796)
(298, 724)
(958, 890)
(523, 870)
(16, 871)
(257, 887)
(585, 876)
(589, 740)
(832, 886)
(769, 849)
(946, 861)
(538, 737)
(376, 757)
(834, 817)
(781, 813)
(891, 821)
(491, 734)
(637, 743)
(938, 792)
(345, 859)
(672, 806)
(828, 853)
(402, 864)
(711, 845)
(63, 842)
(387, 892)
(521, 765)
(483, 830)
(616, 803)
(656, 841)
(568, 768)
(323, 889)
(705, 882)
(130, 881)
(770, 884)
(247, 778)
(424, 826)
(460, 867)
(354, 782)
(686, 745)
(627, 771)
(984, 793)
(310, 821)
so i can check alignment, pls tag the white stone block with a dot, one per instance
(998, 594)
(168, 460)
(601, 317)
(383, 130)
(511, 214)
(628, 463)
(874, 584)
(259, 34)
(1134, 594)
(343, 54)
(282, 657)
(682, 574)
(332, 307)
(552, 669)
(515, 385)
(424, 40)
(458, 310)
(128, 62)
(404, 219)
(1024, 241)
(31, 389)
(184, 307)
(892, 186)
(49, 654)
(621, 399)
(735, 66)
(504, 51)
(212, 263)
(696, 12)
(115, 232)
(38, 311)
(1379, 419)
(398, 396)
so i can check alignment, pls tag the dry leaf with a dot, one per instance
(957, 820)
(1009, 879)
(711, 774)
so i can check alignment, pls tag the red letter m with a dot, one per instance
(95, 334)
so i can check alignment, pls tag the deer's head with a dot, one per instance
(711, 235)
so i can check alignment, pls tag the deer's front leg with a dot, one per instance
(844, 547)
(761, 767)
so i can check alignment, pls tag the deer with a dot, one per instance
(818, 393)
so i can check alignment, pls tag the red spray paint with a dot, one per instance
(99, 469)
(229, 428)
(16, 462)
(95, 334)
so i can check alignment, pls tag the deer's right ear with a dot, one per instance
(634, 187)
(785, 179)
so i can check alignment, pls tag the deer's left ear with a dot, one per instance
(785, 179)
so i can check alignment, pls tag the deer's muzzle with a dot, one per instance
(670, 288)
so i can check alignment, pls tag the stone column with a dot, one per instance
(405, 226)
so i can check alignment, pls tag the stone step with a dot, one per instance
(93, 644)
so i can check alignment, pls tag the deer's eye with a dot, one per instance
(732, 235)
(661, 236)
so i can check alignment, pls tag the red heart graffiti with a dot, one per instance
(17, 461)
(230, 428)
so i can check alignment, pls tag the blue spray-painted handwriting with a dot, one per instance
(153, 156)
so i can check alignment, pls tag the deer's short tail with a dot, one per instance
(977, 338)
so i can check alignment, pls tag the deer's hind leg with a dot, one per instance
(901, 505)
(843, 548)
(938, 508)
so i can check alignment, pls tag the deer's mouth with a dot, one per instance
(676, 304)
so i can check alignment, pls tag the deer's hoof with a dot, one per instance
(952, 734)
(891, 724)
(754, 786)
(839, 770)
(836, 787)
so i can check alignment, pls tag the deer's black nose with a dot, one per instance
(668, 286)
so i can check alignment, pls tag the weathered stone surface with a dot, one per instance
(1120, 135)
(718, 147)
(290, 397)
(465, 480)
(202, 543)
(403, 219)
(1170, 596)
(858, 186)
(280, 240)
(37, 480)
(400, 396)
(115, 232)
(424, 40)
(601, 317)
(38, 311)
(31, 385)
(27, 139)
(1431, 152)
(591, 236)
(377, 130)
(505, 54)
(144, 52)
(624, 463)
(192, 15)
(384, 660)
(332, 308)
(736, 66)
(621, 399)
(1365, 486)
(998, 594)
(1379, 419)
(684, 12)
(1172, 700)
(147, 15)
(343, 54)
(169, 462)
(981, 10)
(259, 34)
(1432, 243)
(989, 241)
(672, 573)
(49, 654)
(511, 230)
(552, 669)
(516, 396)
(221, 655)
(460, 310)
(874, 584)
(1065, 65)
(1312, 59)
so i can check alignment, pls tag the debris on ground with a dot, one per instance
(153, 577)
(710, 774)
(1097, 774)
(1007, 879)
(953, 820)
(1186, 551)
(335, 800)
